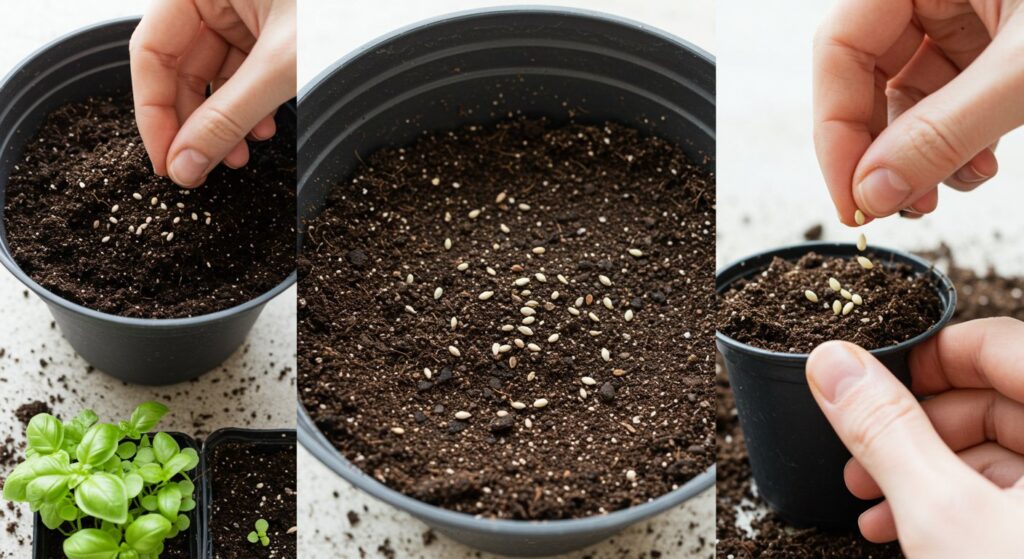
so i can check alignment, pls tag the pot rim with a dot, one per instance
(53, 299)
(943, 283)
(313, 439)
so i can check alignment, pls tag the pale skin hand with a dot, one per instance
(951, 468)
(243, 49)
(911, 93)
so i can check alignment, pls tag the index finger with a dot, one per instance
(984, 353)
(164, 35)
(848, 48)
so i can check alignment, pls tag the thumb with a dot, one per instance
(882, 425)
(945, 130)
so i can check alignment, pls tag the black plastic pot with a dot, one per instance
(796, 457)
(480, 67)
(93, 61)
(47, 543)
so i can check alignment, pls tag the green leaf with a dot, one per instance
(146, 416)
(253, 537)
(169, 501)
(152, 473)
(183, 522)
(145, 455)
(47, 489)
(186, 487)
(150, 503)
(147, 533)
(126, 450)
(133, 485)
(261, 526)
(103, 496)
(45, 434)
(187, 504)
(98, 445)
(17, 483)
(184, 461)
(68, 512)
(91, 543)
(86, 419)
(165, 447)
(50, 513)
(265, 541)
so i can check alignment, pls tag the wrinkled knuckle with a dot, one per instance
(192, 82)
(935, 141)
(875, 420)
(221, 126)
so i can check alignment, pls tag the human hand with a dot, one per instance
(911, 93)
(243, 49)
(951, 467)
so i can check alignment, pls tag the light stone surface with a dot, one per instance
(248, 390)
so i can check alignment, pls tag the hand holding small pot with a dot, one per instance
(910, 94)
(951, 468)
(244, 50)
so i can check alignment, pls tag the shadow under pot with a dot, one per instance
(89, 62)
(250, 476)
(796, 457)
(48, 544)
(480, 67)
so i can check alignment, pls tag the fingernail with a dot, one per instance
(911, 214)
(188, 167)
(883, 192)
(970, 174)
(834, 369)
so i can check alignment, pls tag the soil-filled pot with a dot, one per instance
(262, 486)
(796, 457)
(47, 544)
(481, 67)
(88, 62)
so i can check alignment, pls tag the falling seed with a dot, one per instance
(447, 244)
(540, 403)
(862, 242)
(593, 317)
(837, 307)
(858, 216)
(533, 347)
(473, 214)
(631, 475)
(628, 316)
(848, 308)
(527, 311)
(518, 405)
(525, 330)
(604, 280)
(454, 351)
(857, 299)
(607, 303)
(485, 295)
(504, 229)
(552, 338)
(539, 250)
(846, 294)
(573, 311)
(105, 239)
(462, 267)
(438, 292)
(605, 354)
(137, 196)
(541, 277)
(865, 263)
(636, 252)
(811, 296)
(463, 415)
(521, 282)
(398, 430)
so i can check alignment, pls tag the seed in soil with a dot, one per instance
(811, 296)
(865, 263)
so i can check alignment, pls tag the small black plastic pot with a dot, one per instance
(94, 61)
(479, 67)
(266, 438)
(47, 544)
(796, 457)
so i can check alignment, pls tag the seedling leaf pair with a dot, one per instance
(260, 533)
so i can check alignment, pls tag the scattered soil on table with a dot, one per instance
(978, 296)
(27, 411)
(554, 429)
(249, 482)
(771, 311)
(84, 187)
(814, 232)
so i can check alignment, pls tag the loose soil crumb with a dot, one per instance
(85, 177)
(601, 413)
(27, 411)
(250, 482)
(771, 310)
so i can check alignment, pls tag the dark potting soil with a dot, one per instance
(531, 209)
(252, 481)
(978, 296)
(771, 310)
(28, 410)
(84, 187)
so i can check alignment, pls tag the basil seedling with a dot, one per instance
(260, 533)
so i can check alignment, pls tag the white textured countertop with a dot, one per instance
(254, 388)
(328, 31)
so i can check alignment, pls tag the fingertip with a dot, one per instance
(238, 156)
(877, 524)
(264, 129)
(859, 481)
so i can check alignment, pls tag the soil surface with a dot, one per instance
(84, 189)
(252, 481)
(772, 311)
(978, 296)
(557, 374)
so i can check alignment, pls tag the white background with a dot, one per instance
(27, 336)
(327, 31)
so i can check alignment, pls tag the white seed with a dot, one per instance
(629, 315)
(454, 322)
(507, 328)
(583, 392)
(521, 282)
(180, 206)
(96, 224)
(105, 239)
(194, 216)
(409, 279)
(512, 362)
(573, 311)
(636, 252)
(398, 430)
(528, 423)
(857, 299)
(473, 214)
(531, 375)
(608, 303)
(837, 306)
(153, 201)
(554, 295)
(438, 292)
(504, 229)
(527, 311)
(578, 302)
(858, 217)
(593, 317)
(454, 351)
(631, 475)
(834, 284)
(447, 217)
(485, 295)
(811, 296)
(115, 208)
(176, 221)
(137, 196)
(562, 279)
(447, 244)
(500, 197)
(541, 277)
(605, 354)
(524, 207)
(491, 271)
(525, 330)
(539, 250)
(519, 343)
(495, 348)
(533, 347)
(865, 320)
(848, 308)
(540, 402)
(594, 333)
(427, 372)
(518, 405)
(502, 413)
(865, 263)
(589, 381)
(113, 220)
(504, 348)
(862, 242)
(552, 338)
(463, 415)
(846, 294)
(410, 310)
(170, 236)
(529, 320)
(462, 267)
(604, 280)
(435, 181)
